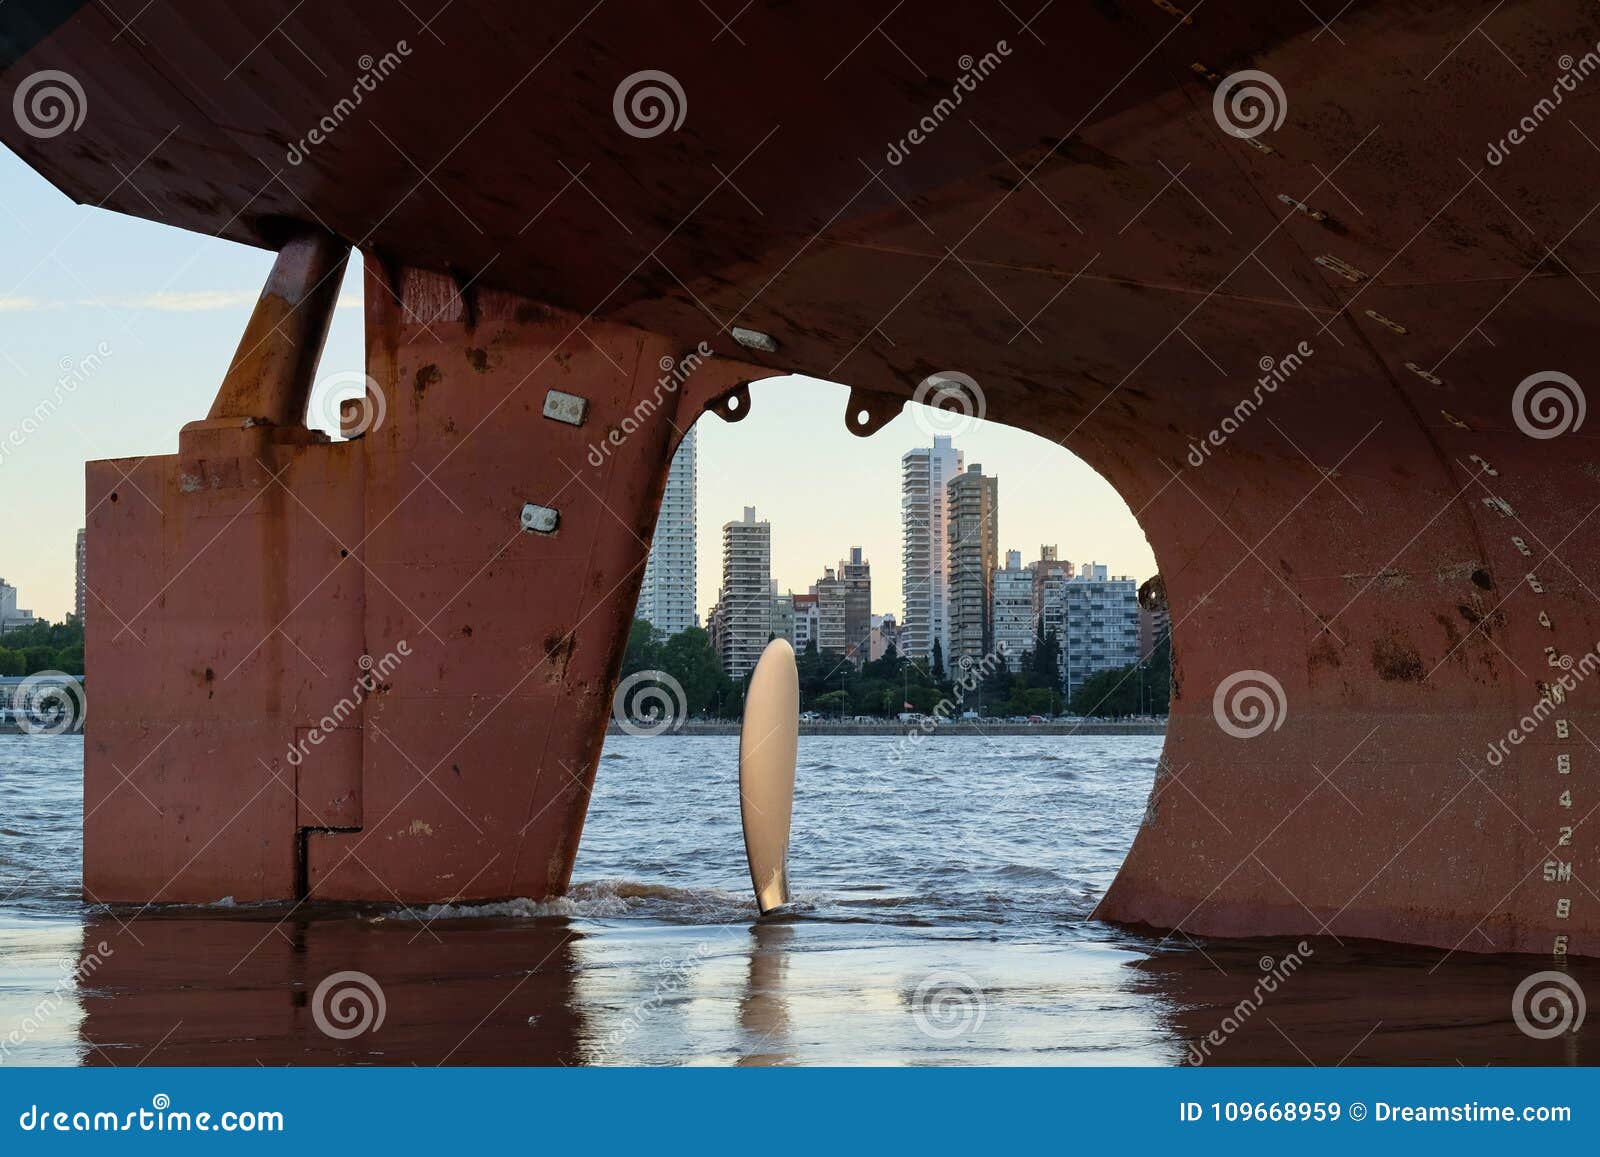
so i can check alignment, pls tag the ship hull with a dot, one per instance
(1296, 356)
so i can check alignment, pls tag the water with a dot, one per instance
(942, 917)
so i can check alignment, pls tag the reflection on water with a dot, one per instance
(942, 919)
(764, 1008)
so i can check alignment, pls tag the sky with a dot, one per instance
(162, 309)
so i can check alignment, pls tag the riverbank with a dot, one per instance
(986, 727)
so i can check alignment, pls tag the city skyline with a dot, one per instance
(1049, 497)
(88, 281)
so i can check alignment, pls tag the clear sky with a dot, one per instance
(165, 309)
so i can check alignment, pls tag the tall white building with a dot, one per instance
(667, 599)
(1102, 625)
(1013, 609)
(924, 519)
(744, 608)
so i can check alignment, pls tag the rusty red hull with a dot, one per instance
(1377, 533)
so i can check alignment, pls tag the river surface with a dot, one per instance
(943, 916)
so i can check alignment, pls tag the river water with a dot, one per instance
(942, 917)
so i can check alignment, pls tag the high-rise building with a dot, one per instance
(855, 575)
(844, 608)
(1050, 565)
(1102, 625)
(82, 569)
(829, 592)
(744, 607)
(667, 598)
(807, 624)
(1013, 617)
(973, 501)
(12, 616)
(925, 474)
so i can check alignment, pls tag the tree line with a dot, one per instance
(42, 646)
(833, 687)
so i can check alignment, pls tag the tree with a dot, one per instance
(688, 658)
(39, 657)
(70, 659)
(937, 666)
(1113, 692)
(644, 649)
(1046, 668)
